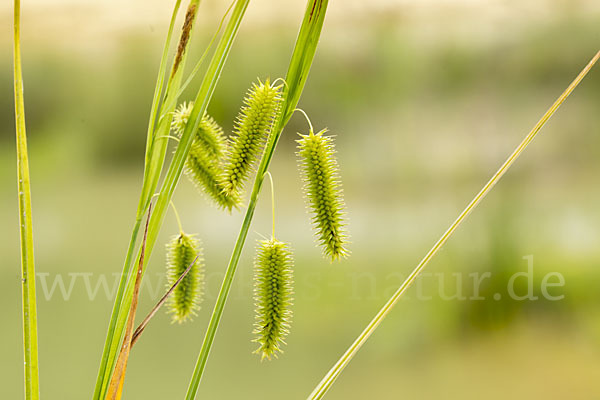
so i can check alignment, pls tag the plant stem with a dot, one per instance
(337, 369)
(140, 329)
(157, 141)
(126, 285)
(30, 342)
(272, 203)
(160, 82)
(148, 187)
(298, 70)
(177, 217)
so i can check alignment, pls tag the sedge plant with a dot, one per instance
(155, 155)
(269, 123)
(220, 167)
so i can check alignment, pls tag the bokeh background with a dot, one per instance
(426, 98)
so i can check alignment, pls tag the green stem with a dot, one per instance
(125, 292)
(299, 67)
(200, 104)
(177, 217)
(150, 170)
(337, 369)
(272, 204)
(201, 60)
(220, 305)
(157, 141)
(108, 355)
(160, 82)
(30, 342)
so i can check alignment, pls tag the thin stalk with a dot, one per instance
(160, 80)
(103, 372)
(201, 60)
(177, 217)
(153, 165)
(140, 329)
(126, 286)
(272, 203)
(30, 341)
(297, 74)
(337, 369)
(200, 104)
(157, 141)
(115, 387)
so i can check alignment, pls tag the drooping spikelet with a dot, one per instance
(323, 192)
(273, 296)
(181, 115)
(185, 300)
(203, 170)
(203, 163)
(252, 128)
(209, 133)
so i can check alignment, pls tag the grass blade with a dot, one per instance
(299, 67)
(160, 80)
(30, 342)
(125, 291)
(115, 388)
(157, 142)
(109, 349)
(156, 148)
(337, 369)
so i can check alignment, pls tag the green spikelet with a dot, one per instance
(202, 166)
(185, 300)
(323, 191)
(181, 115)
(203, 170)
(273, 296)
(209, 133)
(252, 128)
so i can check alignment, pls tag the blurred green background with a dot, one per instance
(426, 98)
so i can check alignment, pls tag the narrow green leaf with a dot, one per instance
(115, 387)
(337, 369)
(126, 286)
(155, 155)
(30, 342)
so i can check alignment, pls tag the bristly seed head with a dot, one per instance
(187, 296)
(323, 192)
(203, 163)
(181, 115)
(204, 171)
(252, 128)
(273, 280)
(209, 133)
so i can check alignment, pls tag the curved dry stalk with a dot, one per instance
(140, 329)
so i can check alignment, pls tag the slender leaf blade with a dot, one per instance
(30, 341)
(322, 388)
